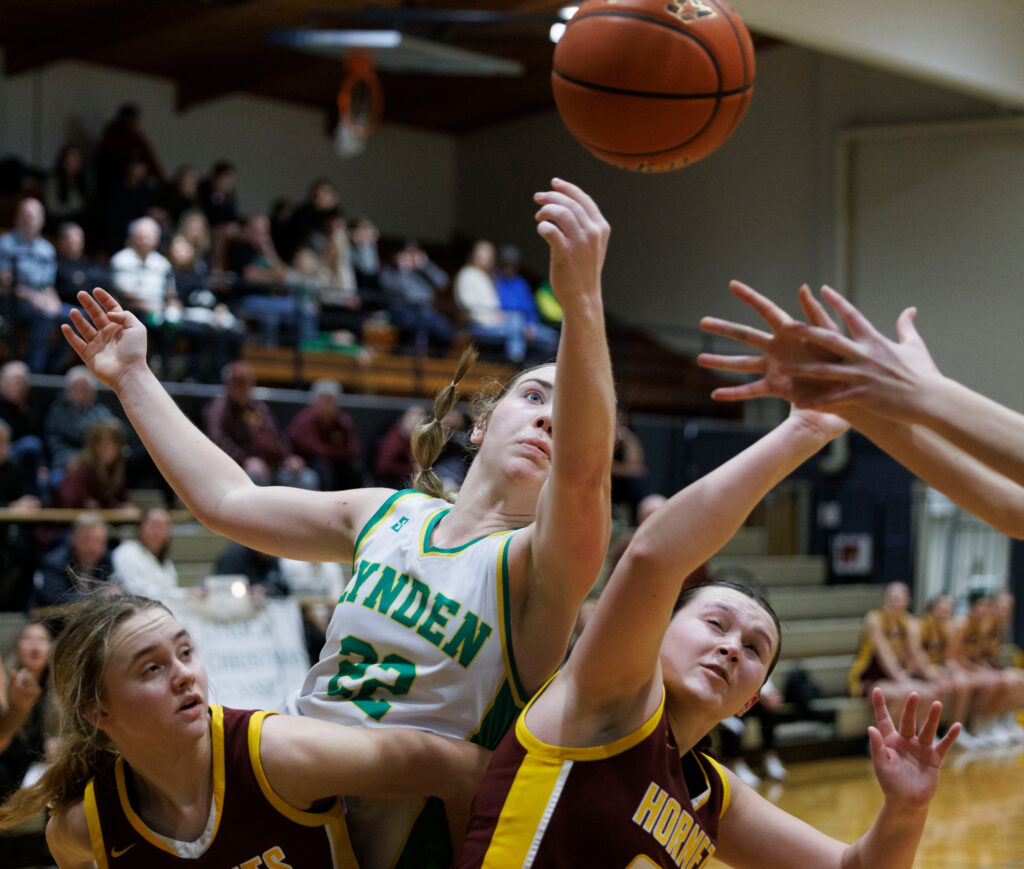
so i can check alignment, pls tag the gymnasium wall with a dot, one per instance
(405, 182)
(762, 209)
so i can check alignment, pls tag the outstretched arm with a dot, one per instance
(568, 539)
(294, 523)
(306, 759)
(612, 679)
(959, 442)
(754, 834)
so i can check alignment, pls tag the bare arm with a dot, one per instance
(294, 523)
(966, 446)
(306, 759)
(567, 542)
(612, 673)
(754, 834)
(67, 837)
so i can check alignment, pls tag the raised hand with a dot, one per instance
(110, 340)
(866, 368)
(572, 225)
(23, 690)
(782, 350)
(906, 760)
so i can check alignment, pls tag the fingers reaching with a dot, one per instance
(931, 724)
(742, 364)
(772, 314)
(908, 718)
(755, 338)
(882, 717)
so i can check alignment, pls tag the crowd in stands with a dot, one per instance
(204, 276)
(77, 455)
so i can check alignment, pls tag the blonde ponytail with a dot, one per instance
(429, 437)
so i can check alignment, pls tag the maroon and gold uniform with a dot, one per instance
(250, 826)
(632, 803)
(934, 639)
(973, 639)
(867, 667)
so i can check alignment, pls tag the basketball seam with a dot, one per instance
(693, 37)
(654, 95)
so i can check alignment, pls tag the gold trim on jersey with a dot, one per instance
(217, 747)
(299, 816)
(726, 787)
(504, 596)
(92, 817)
(533, 745)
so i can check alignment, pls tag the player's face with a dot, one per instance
(518, 432)
(717, 651)
(154, 685)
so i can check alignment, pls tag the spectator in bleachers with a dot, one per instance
(177, 196)
(70, 416)
(143, 566)
(195, 229)
(263, 571)
(76, 271)
(307, 279)
(96, 479)
(214, 333)
(341, 305)
(220, 205)
(78, 567)
(17, 556)
(123, 142)
(309, 221)
(364, 234)
(885, 658)
(262, 280)
(244, 428)
(394, 464)
(476, 294)
(516, 297)
(980, 634)
(26, 426)
(130, 199)
(144, 279)
(32, 728)
(141, 275)
(324, 435)
(937, 639)
(28, 268)
(410, 287)
(66, 192)
(548, 306)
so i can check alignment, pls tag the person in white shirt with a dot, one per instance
(143, 277)
(143, 566)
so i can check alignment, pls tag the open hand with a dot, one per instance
(866, 368)
(907, 761)
(110, 340)
(782, 348)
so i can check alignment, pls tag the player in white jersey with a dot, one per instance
(529, 530)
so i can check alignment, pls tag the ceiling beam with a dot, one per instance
(96, 34)
(974, 48)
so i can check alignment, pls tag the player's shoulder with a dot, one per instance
(67, 834)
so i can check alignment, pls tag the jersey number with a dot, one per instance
(361, 672)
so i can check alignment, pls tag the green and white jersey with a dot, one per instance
(420, 638)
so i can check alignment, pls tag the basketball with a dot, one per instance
(653, 85)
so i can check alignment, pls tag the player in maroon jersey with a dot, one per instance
(151, 775)
(601, 770)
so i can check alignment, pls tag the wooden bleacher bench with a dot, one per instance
(374, 374)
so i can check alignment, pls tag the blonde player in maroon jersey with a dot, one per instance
(150, 775)
(601, 771)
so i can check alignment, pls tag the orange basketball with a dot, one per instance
(653, 85)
